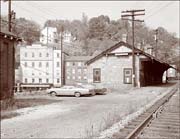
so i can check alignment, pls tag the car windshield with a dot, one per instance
(79, 86)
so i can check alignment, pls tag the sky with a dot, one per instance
(157, 13)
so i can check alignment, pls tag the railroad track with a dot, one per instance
(160, 121)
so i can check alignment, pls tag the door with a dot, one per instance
(128, 76)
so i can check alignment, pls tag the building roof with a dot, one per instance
(9, 35)
(78, 58)
(121, 43)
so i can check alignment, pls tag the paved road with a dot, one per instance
(78, 117)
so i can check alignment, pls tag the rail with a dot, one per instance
(145, 122)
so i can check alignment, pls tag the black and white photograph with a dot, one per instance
(89, 69)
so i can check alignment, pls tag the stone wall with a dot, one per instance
(112, 71)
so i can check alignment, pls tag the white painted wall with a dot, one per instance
(39, 54)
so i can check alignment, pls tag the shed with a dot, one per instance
(8, 42)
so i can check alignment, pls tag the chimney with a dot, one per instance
(124, 37)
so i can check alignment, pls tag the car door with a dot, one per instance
(72, 90)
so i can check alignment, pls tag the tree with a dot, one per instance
(27, 29)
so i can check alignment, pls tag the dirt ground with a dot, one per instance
(77, 117)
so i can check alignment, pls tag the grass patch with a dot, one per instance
(24, 103)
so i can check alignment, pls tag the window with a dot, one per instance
(47, 80)
(85, 70)
(79, 77)
(73, 64)
(47, 64)
(25, 64)
(40, 80)
(68, 77)
(96, 75)
(57, 64)
(57, 54)
(85, 77)
(67, 64)
(73, 71)
(40, 55)
(79, 64)
(25, 80)
(128, 76)
(32, 64)
(40, 64)
(58, 80)
(25, 54)
(73, 77)
(79, 70)
(47, 73)
(32, 54)
(32, 73)
(32, 80)
(47, 54)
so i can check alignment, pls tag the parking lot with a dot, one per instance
(72, 117)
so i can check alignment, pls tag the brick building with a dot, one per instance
(75, 69)
(113, 67)
(8, 43)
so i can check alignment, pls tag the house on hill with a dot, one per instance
(112, 68)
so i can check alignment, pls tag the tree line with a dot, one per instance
(98, 33)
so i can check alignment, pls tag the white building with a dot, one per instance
(40, 65)
(49, 35)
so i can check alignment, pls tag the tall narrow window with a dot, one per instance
(128, 76)
(25, 54)
(57, 54)
(97, 75)
(32, 54)
(57, 64)
(32, 80)
(40, 64)
(47, 64)
(47, 54)
(40, 54)
(40, 80)
(32, 64)
(25, 80)
(25, 64)
(58, 80)
(47, 80)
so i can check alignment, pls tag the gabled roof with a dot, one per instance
(121, 43)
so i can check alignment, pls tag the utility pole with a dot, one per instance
(47, 34)
(9, 16)
(156, 39)
(132, 14)
(62, 61)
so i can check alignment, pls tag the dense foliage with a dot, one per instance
(98, 33)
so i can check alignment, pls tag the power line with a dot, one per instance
(168, 4)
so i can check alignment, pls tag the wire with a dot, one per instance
(166, 5)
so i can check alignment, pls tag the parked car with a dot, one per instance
(76, 91)
(99, 91)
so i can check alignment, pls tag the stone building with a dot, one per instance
(112, 68)
(8, 42)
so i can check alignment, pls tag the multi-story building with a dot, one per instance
(40, 65)
(49, 35)
(75, 69)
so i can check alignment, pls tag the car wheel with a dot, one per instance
(53, 93)
(93, 93)
(77, 94)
